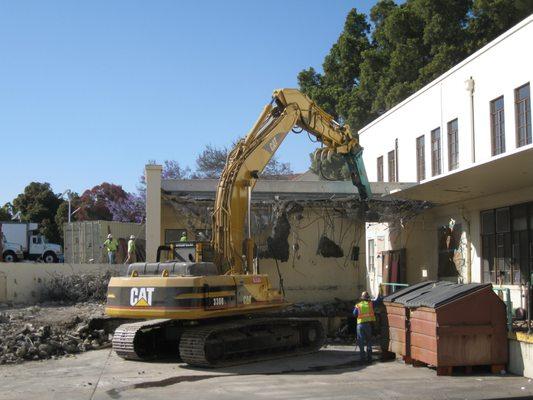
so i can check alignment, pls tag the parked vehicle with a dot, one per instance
(34, 245)
(11, 252)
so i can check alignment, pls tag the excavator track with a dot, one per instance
(145, 340)
(245, 341)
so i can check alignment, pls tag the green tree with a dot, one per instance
(490, 18)
(38, 203)
(5, 215)
(381, 59)
(333, 89)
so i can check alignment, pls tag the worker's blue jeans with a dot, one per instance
(111, 257)
(364, 341)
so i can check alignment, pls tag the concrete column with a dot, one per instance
(153, 210)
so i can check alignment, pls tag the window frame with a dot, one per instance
(453, 144)
(371, 255)
(506, 241)
(391, 161)
(436, 154)
(527, 139)
(380, 177)
(421, 158)
(497, 126)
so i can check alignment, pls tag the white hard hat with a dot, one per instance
(183, 233)
(132, 237)
(109, 236)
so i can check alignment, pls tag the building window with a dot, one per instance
(435, 152)
(506, 240)
(380, 169)
(371, 255)
(391, 157)
(523, 115)
(453, 145)
(497, 126)
(420, 158)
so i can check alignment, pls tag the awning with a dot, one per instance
(505, 173)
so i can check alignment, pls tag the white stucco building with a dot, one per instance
(466, 139)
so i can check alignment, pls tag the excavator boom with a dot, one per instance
(289, 108)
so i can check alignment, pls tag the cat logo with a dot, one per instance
(141, 297)
(274, 143)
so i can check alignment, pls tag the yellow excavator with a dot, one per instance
(205, 311)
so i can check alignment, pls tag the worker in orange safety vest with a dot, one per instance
(364, 312)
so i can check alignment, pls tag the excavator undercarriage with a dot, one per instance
(206, 319)
(218, 342)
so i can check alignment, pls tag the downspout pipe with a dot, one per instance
(469, 86)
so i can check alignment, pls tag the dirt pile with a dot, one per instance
(50, 331)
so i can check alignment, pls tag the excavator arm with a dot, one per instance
(288, 108)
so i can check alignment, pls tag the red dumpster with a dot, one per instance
(452, 325)
(395, 322)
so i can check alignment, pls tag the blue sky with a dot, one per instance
(89, 91)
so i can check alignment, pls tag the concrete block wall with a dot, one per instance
(23, 283)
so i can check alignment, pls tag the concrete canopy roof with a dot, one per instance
(285, 189)
(504, 173)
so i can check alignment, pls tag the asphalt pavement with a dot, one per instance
(332, 373)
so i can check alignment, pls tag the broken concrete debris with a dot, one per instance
(77, 288)
(36, 333)
(278, 242)
(328, 248)
(337, 308)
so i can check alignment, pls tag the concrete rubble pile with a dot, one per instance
(77, 288)
(337, 308)
(70, 320)
(28, 334)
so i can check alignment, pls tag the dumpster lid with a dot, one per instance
(399, 293)
(438, 293)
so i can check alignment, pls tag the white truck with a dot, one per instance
(11, 252)
(34, 245)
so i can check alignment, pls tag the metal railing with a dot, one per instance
(394, 286)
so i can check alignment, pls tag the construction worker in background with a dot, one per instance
(111, 245)
(132, 257)
(183, 237)
(364, 312)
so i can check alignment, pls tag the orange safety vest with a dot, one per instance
(365, 312)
